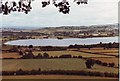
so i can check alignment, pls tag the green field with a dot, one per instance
(52, 64)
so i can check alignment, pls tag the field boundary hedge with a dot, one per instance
(59, 72)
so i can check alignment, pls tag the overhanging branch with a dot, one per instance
(8, 6)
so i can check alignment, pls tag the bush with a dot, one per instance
(55, 57)
(21, 72)
(65, 56)
(79, 56)
(8, 72)
(45, 55)
(39, 56)
(109, 74)
(74, 56)
(111, 64)
(98, 62)
(104, 64)
(28, 56)
(89, 63)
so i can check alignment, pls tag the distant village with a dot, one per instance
(61, 32)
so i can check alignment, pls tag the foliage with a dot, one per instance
(6, 7)
(89, 63)
(61, 72)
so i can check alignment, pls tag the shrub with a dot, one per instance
(65, 56)
(104, 64)
(74, 56)
(39, 56)
(79, 56)
(89, 63)
(111, 64)
(56, 57)
(8, 72)
(21, 72)
(45, 55)
(98, 62)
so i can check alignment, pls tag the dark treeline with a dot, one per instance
(100, 45)
(51, 48)
(59, 72)
(91, 62)
(54, 48)
(30, 55)
(103, 45)
(104, 63)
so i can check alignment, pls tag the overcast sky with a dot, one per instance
(94, 13)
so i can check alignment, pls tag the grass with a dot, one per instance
(52, 64)
(10, 55)
(73, 53)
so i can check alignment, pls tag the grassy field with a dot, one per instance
(10, 55)
(53, 64)
(73, 53)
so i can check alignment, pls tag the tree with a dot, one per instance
(89, 63)
(30, 55)
(65, 56)
(20, 53)
(111, 64)
(45, 55)
(39, 56)
(25, 5)
(30, 48)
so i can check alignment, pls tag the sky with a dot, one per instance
(96, 12)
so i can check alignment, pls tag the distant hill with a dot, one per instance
(108, 26)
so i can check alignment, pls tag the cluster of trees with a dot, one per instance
(20, 49)
(30, 55)
(45, 55)
(91, 62)
(103, 45)
(60, 72)
(51, 48)
(104, 63)
(25, 5)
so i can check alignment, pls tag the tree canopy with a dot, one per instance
(8, 6)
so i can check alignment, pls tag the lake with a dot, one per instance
(62, 42)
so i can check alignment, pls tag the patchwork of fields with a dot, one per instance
(60, 63)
